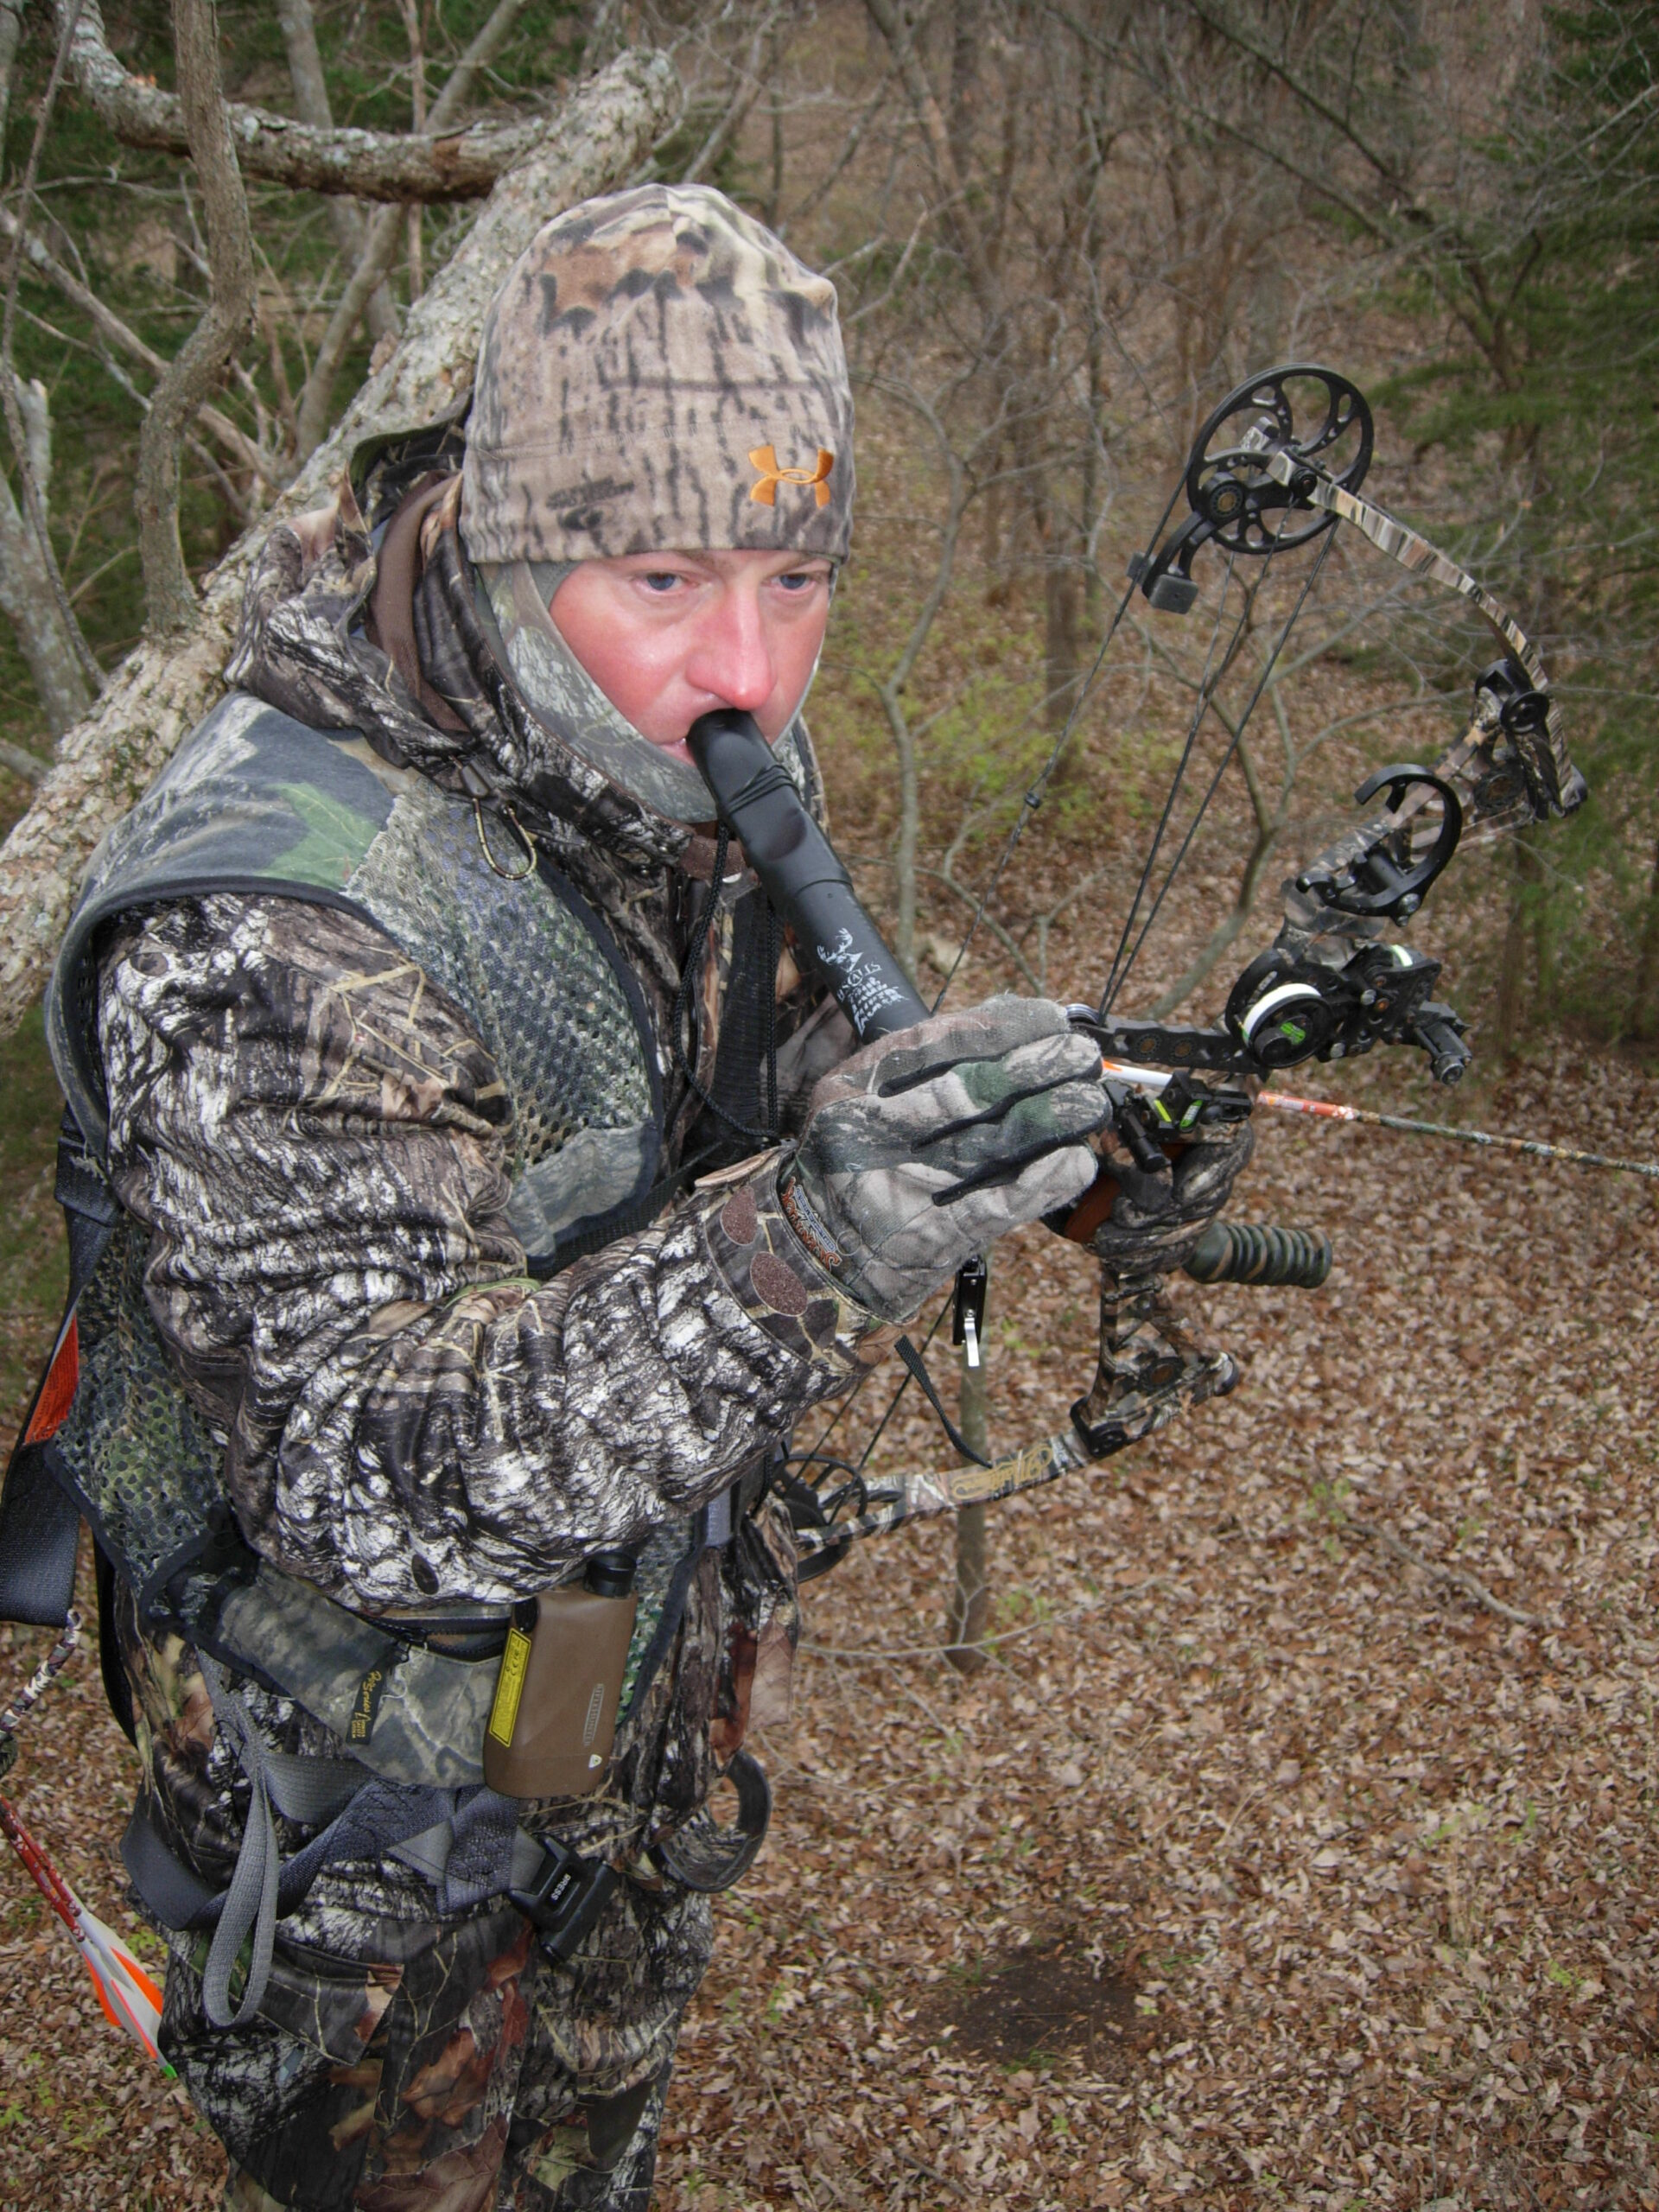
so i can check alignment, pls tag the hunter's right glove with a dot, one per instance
(922, 1149)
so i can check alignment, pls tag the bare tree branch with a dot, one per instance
(1385, 168)
(385, 231)
(26, 601)
(747, 84)
(202, 359)
(924, 102)
(1434, 1570)
(69, 676)
(363, 165)
(164, 688)
(843, 160)
(108, 325)
(386, 235)
(11, 32)
(891, 689)
(458, 86)
(311, 97)
(28, 765)
(417, 115)
(1321, 187)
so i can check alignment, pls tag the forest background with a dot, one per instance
(1292, 1843)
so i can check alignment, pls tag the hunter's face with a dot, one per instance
(670, 636)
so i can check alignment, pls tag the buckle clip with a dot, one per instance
(968, 1314)
(565, 1896)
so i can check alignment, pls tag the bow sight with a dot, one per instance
(1273, 467)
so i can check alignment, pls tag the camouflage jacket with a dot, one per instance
(381, 1103)
(356, 1134)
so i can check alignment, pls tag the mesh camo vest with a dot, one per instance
(258, 803)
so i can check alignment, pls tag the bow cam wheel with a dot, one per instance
(1311, 413)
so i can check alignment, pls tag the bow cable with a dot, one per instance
(1207, 692)
(1037, 789)
(1033, 799)
(1119, 974)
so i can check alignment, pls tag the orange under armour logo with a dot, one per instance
(764, 494)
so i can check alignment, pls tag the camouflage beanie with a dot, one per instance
(659, 372)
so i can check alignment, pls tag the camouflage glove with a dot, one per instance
(926, 1146)
(1137, 1240)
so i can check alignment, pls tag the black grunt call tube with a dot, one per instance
(808, 887)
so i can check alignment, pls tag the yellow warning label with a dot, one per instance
(509, 1687)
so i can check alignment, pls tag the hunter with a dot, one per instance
(430, 1102)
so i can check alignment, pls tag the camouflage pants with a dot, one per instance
(448, 2066)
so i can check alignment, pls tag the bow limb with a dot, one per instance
(1150, 1368)
(1489, 755)
(1509, 768)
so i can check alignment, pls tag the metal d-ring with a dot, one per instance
(507, 874)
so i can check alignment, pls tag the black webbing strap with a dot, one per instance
(917, 1366)
(40, 1521)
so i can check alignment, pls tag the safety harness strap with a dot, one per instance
(248, 1908)
(704, 1854)
(366, 1818)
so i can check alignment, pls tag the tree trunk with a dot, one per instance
(390, 227)
(965, 39)
(163, 690)
(311, 98)
(970, 1612)
(195, 371)
(1644, 1000)
(27, 596)
(775, 184)
(990, 540)
(26, 601)
(903, 848)
(1059, 631)
(1512, 969)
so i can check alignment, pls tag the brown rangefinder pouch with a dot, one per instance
(553, 1722)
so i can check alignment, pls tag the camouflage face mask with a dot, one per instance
(514, 597)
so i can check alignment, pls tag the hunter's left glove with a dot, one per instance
(923, 1148)
(1137, 1240)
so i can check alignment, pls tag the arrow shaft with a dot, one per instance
(1284, 1102)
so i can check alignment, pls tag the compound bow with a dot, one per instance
(1276, 465)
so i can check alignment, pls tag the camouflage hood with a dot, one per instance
(474, 688)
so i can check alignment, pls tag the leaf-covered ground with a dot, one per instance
(1296, 1847)
(1362, 1864)
(1262, 1865)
